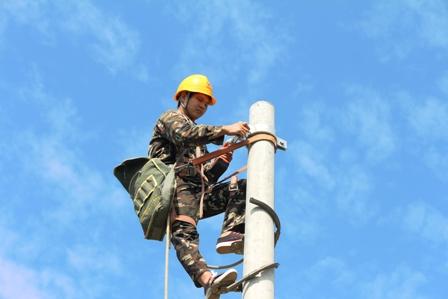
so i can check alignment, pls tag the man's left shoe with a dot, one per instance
(218, 283)
(232, 242)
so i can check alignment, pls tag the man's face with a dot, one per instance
(197, 105)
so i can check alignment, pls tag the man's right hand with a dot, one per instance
(237, 129)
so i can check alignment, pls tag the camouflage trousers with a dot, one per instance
(185, 237)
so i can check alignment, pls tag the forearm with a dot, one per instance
(182, 131)
(197, 134)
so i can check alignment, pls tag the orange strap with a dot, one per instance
(252, 139)
(263, 136)
(184, 218)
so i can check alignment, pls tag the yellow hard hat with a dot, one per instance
(196, 83)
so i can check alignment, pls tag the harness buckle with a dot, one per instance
(233, 186)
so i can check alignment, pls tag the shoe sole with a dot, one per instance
(222, 282)
(230, 247)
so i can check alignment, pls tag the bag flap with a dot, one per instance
(126, 170)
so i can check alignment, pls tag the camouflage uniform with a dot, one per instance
(176, 139)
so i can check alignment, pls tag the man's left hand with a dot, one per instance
(227, 157)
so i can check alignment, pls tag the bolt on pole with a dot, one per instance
(259, 232)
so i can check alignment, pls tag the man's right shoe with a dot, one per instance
(232, 242)
(219, 282)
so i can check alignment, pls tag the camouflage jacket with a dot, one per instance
(176, 138)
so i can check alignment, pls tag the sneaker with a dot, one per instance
(219, 282)
(230, 243)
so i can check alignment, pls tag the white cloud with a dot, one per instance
(333, 271)
(429, 118)
(344, 279)
(433, 16)
(134, 142)
(339, 279)
(437, 160)
(256, 45)
(403, 283)
(427, 222)
(338, 148)
(405, 25)
(92, 259)
(443, 83)
(52, 141)
(68, 193)
(115, 45)
(313, 163)
(353, 193)
(79, 191)
(111, 42)
(72, 204)
(3, 25)
(26, 12)
(303, 88)
(19, 282)
(27, 271)
(314, 124)
(311, 151)
(302, 212)
(365, 117)
(368, 118)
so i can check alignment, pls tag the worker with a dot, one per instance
(177, 139)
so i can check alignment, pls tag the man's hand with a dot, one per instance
(237, 129)
(227, 157)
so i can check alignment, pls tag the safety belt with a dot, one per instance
(250, 140)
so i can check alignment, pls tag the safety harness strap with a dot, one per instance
(250, 140)
(217, 153)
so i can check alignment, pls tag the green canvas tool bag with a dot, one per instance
(150, 183)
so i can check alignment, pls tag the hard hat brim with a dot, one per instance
(211, 102)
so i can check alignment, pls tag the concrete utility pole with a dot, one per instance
(259, 236)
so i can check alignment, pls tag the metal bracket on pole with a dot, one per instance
(282, 144)
(261, 128)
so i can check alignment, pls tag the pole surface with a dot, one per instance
(259, 232)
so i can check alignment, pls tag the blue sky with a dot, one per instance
(361, 95)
